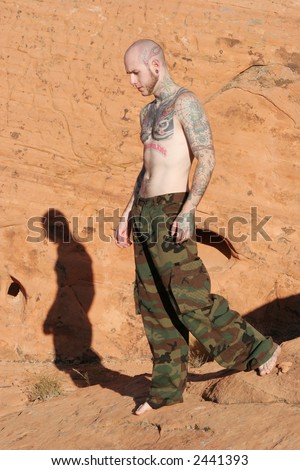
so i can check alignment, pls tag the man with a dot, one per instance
(172, 288)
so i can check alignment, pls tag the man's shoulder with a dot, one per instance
(187, 104)
(186, 96)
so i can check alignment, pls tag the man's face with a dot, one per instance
(141, 76)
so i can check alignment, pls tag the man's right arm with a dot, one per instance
(123, 230)
(135, 193)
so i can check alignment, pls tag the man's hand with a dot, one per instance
(122, 239)
(183, 226)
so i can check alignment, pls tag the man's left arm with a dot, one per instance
(196, 127)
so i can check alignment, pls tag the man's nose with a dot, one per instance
(133, 79)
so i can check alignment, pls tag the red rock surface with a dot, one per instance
(69, 140)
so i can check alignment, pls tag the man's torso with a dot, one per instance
(167, 158)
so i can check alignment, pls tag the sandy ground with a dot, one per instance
(221, 410)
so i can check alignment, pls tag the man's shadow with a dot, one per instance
(67, 319)
(279, 318)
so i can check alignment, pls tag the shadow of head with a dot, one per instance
(56, 226)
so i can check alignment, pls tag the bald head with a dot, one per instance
(146, 52)
(145, 64)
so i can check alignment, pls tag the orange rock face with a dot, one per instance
(69, 147)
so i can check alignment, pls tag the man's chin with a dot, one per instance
(146, 92)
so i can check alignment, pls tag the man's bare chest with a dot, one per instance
(158, 123)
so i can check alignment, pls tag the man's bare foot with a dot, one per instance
(142, 409)
(268, 366)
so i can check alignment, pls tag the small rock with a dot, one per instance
(284, 367)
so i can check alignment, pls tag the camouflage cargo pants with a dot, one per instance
(172, 293)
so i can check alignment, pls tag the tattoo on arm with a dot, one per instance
(135, 193)
(197, 130)
(138, 183)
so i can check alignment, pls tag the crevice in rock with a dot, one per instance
(270, 101)
(159, 429)
(234, 83)
(15, 288)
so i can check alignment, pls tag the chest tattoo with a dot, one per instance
(158, 122)
(155, 146)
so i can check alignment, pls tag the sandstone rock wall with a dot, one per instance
(69, 141)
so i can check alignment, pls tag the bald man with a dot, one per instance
(172, 286)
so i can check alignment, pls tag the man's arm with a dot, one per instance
(197, 131)
(135, 193)
(123, 230)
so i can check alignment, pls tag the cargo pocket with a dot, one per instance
(190, 286)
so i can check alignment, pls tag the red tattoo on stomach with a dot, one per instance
(157, 147)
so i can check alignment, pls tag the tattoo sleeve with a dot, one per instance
(138, 183)
(135, 193)
(197, 130)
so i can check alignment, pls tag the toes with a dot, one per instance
(268, 366)
(142, 409)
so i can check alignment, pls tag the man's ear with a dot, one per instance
(155, 64)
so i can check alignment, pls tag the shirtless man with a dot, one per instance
(172, 288)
